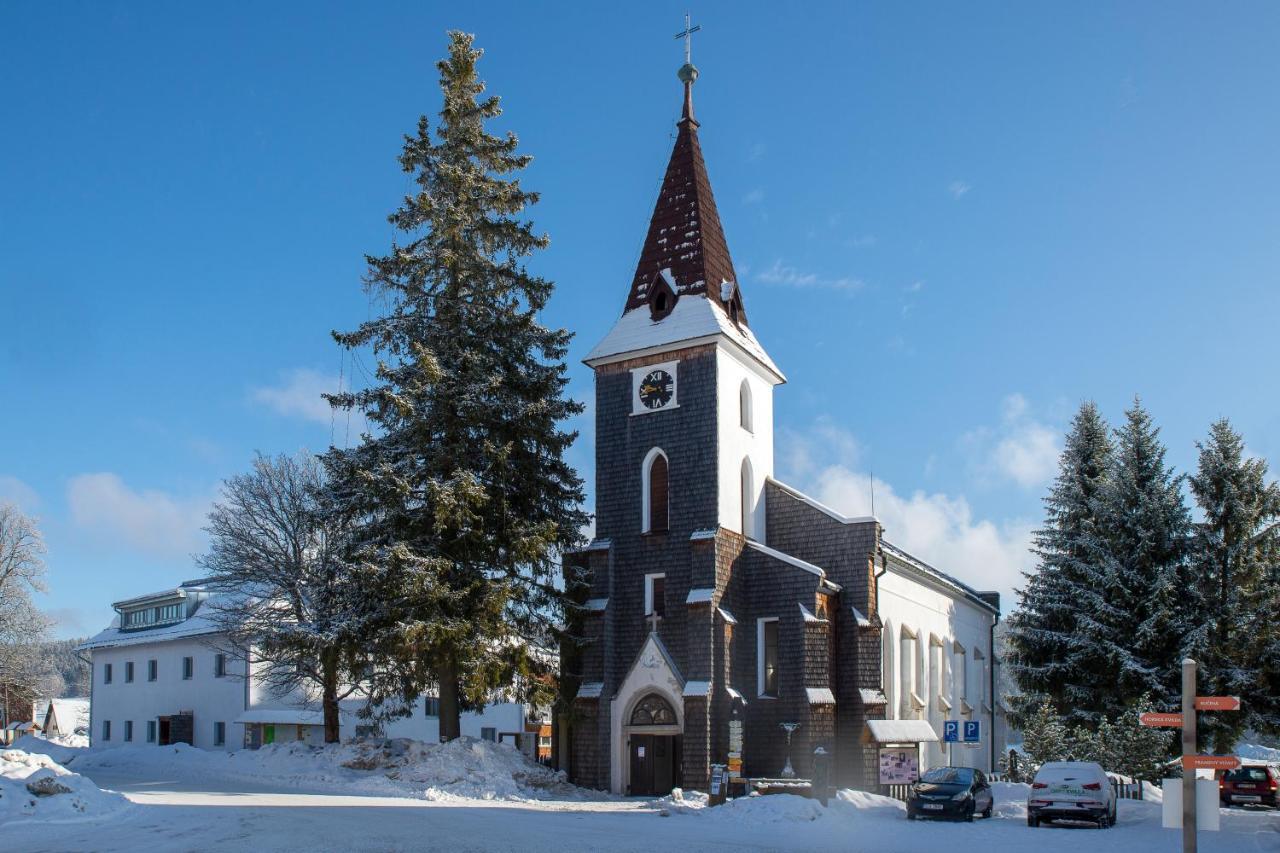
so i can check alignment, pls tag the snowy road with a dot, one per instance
(217, 816)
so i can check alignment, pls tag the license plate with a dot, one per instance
(1246, 798)
(933, 807)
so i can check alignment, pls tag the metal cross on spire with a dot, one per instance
(687, 35)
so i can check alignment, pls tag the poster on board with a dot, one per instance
(899, 765)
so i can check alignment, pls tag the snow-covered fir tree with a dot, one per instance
(462, 491)
(1234, 551)
(1059, 650)
(1151, 608)
(1044, 736)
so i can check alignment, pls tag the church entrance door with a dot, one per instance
(654, 760)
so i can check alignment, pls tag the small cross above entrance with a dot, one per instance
(653, 618)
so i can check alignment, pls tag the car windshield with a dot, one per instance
(949, 775)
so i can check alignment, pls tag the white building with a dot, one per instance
(162, 674)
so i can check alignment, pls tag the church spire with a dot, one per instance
(685, 252)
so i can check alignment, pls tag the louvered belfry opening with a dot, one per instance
(658, 498)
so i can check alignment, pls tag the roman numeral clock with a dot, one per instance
(653, 388)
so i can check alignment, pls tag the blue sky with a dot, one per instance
(951, 223)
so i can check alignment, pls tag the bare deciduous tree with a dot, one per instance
(276, 556)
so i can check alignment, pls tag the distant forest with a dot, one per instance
(70, 665)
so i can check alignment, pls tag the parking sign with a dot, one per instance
(950, 731)
(972, 731)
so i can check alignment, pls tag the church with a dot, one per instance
(727, 618)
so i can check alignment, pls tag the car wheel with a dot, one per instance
(986, 813)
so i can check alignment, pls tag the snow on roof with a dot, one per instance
(872, 696)
(697, 688)
(820, 696)
(727, 616)
(701, 595)
(863, 621)
(596, 604)
(695, 318)
(807, 615)
(172, 592)
(591, 690)
(786, 558)
(283, 716)
(200, 623)
(901, 731)
(820, 507)
(702, 534)
(735, 694)
(920, 565)
(71, 711)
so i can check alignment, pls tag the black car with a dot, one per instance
(955, 792)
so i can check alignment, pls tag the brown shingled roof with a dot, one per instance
(685, 236)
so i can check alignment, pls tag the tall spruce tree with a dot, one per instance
(1234, 550)
(1058, 649)
(462, 491)
(1150, 609)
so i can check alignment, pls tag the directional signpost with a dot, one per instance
(1191, 762)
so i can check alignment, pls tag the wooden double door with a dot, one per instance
(655, 764)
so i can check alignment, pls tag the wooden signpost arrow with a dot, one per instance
(1156, 718)
(1210, 762)
(1217, 703)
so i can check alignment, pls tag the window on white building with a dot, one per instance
(151, 731)
(106, 730)
(188, 668)
(937, 684)
(747, 499)
(153, 669)
(908, 674)
(886, 669)
(106, 673)
(745, 414)
(489, 734)
(128, 730)
(431, 705)
(219, 734)
(128, 672)
(960, 678)
(219, 665)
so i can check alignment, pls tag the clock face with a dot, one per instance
(656, 389)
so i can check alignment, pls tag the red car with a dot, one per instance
(1253, 784)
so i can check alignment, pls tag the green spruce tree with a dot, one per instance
(1149, 610)
(1044, 737)
(1234, 550)
(1058, 651)
(461, 490)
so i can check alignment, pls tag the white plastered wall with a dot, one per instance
(212, 699)
(736, 443)
(928, 611)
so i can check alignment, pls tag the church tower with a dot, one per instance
(717, 607)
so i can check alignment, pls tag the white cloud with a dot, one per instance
(1021, 448)
(959, 189)
(938, 528)
(756, 152)
(13, 490)
(754, 197)
(149, 520)
(782, 274)
(298, 395)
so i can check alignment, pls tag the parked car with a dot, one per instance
(956, 792)
(1255, 783)
(1071, 790)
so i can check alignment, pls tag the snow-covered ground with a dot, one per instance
(480, 796)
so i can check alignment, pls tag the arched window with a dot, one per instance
(747, 498)
(653, 710)
(744, 405)
(654, 492)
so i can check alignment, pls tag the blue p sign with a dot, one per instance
(972, 731)
(950, 731)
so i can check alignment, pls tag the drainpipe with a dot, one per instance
(991, 649)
